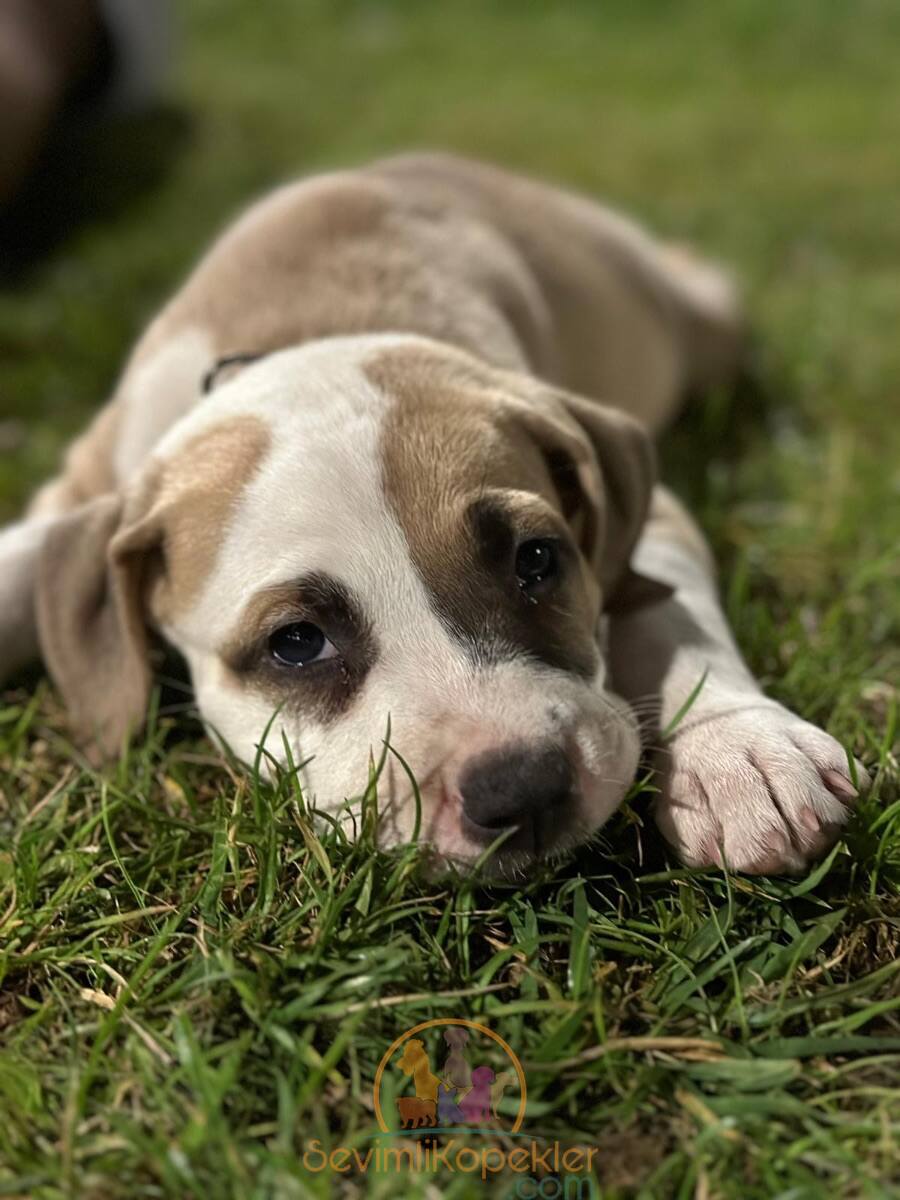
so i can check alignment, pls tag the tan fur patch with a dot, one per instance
(351, 253)
(466, 488)
(623, 325)
(524, 275)
(88, 469)
(194, 495)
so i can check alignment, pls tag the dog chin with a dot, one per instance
(449, 847)
(511, 866)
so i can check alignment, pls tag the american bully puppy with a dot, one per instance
(388, 454)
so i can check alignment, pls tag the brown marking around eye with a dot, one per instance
(322, 690)
(443, 454)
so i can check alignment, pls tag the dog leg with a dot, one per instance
(20, 547)
(741, 777)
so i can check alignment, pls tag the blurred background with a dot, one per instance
(765, 134)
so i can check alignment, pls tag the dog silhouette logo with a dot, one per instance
(457, 1071)
(449, 1073)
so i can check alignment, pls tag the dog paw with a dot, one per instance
(752, 785)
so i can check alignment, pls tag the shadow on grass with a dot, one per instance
(88, 172)
(721, 428)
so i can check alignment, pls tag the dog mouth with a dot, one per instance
(499, 809)
(500, 864)
(535, 836)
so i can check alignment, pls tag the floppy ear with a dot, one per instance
(89, 600)
(626, 461)
(603, 467)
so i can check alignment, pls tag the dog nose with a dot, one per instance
(518, 786)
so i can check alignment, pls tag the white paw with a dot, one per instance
(749, 781)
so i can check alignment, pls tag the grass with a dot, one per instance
(194, 982)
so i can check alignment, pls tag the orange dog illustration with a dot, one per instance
(415, 1062)
(415, 1112)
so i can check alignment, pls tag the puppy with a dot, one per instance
(388, 455)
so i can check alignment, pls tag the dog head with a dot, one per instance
(456, 1037)
(371, 529)
(413, 1057)
(482, 1075)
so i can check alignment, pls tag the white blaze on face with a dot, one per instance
(316, 505)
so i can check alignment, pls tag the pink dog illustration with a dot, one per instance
(415, 1063)
(476, 1106)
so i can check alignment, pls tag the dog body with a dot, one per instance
(449, 1112)
(432, 500)
(414, 1112)
(475, 1106)
(457, 1071)
(414, 1062)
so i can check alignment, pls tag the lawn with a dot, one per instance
(194, 983)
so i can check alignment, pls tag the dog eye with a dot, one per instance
(300, 645)
(537, 561)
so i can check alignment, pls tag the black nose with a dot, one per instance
(530, 788)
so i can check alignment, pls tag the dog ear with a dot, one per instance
(603, 468)
(636, 590)
(91, 582)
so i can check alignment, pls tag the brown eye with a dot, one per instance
(300, 645)
(537, 562)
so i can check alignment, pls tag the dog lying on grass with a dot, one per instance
(388, 453)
